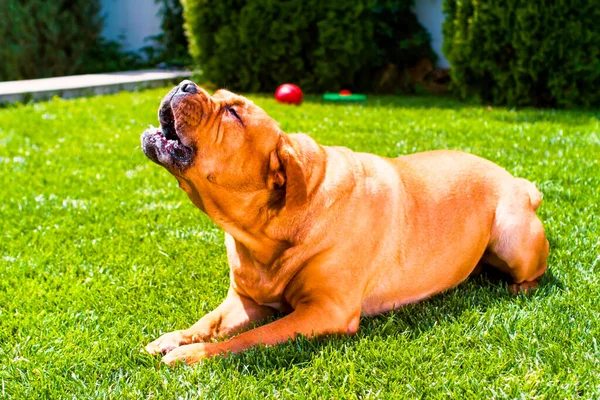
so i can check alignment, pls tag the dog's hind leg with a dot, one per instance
(535, 196)
(518, 244)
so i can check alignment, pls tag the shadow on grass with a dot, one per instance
(496, 113)
(557, 117)
(445, 102)
(383, 101)
(480, 293)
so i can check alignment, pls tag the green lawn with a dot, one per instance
(101, 253)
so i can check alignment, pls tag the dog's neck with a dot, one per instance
(266, 228)
(278, 227)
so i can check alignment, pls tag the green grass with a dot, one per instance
(101, 253)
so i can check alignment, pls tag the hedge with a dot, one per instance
(44, 38)
(521, 52)
(170, 46)
(255, 45)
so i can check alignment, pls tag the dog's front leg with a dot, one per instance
(308, 319)
(234, 314)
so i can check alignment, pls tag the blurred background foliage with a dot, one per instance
(41, 38)
(255, 45)
(170, 47)
(524, 53)
(505, 52)
(47, 38)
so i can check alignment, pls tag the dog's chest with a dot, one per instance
(261, 286)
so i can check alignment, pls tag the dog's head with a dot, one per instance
(223, 145)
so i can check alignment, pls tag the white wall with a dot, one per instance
(130, 21)
(430, 15)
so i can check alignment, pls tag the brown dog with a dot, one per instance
(325, 234)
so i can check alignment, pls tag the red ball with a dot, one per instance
(345, 92)
(288, 93)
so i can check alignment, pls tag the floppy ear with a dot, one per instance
(286, 170)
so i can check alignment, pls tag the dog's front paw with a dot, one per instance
(189, 354)
(167, 342)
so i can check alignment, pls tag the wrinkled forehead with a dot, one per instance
(259, 116)
(226, 97)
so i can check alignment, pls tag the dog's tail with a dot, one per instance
(535, 196)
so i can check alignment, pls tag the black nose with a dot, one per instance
(188, 87)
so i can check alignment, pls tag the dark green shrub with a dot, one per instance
(108, 56)
(255, 45)
(520, 52)
(171, 45)
(42, 38)
(400, 38)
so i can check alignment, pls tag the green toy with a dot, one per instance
(344, 98)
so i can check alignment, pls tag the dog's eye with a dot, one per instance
(234, 113)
